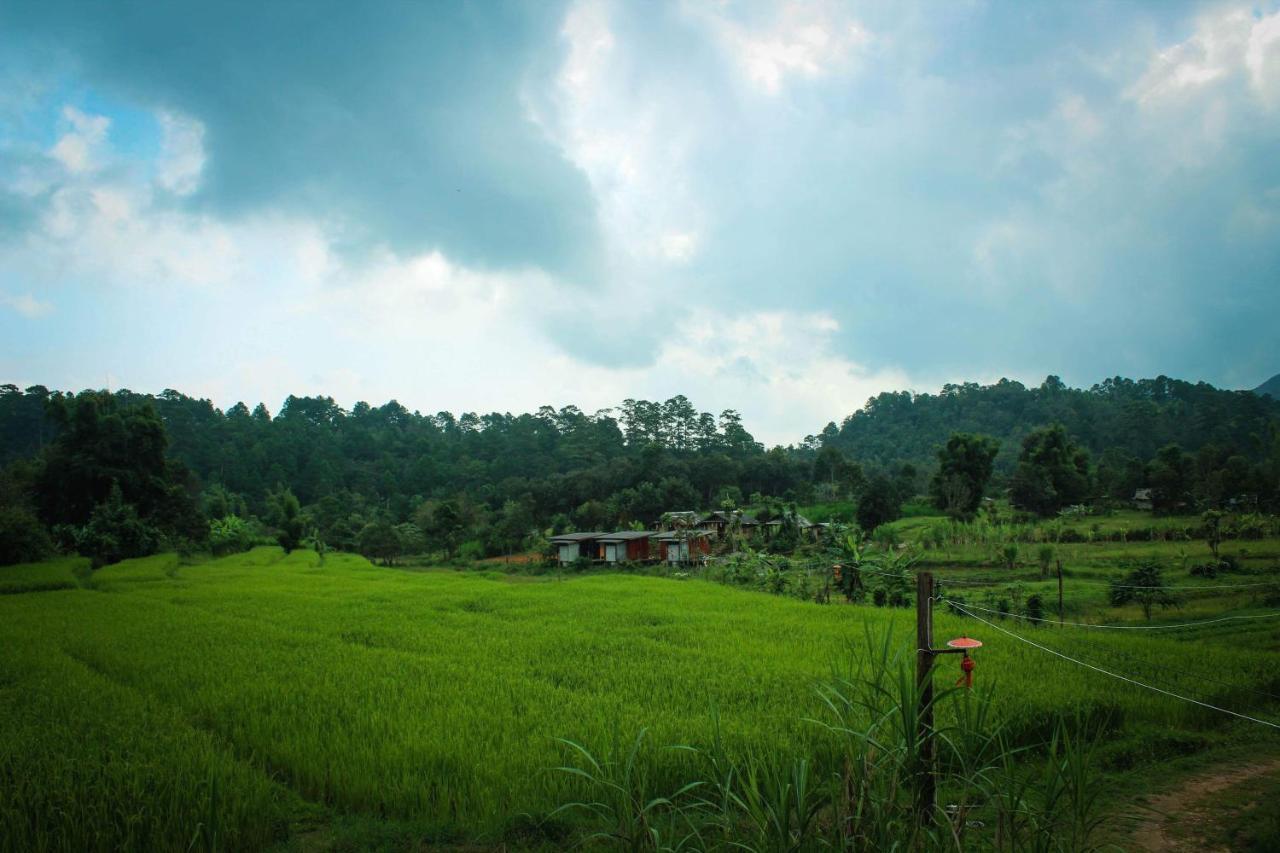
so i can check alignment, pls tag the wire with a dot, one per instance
(1198, 676)
(944, 579)
(1118, 676)
(1113, 627)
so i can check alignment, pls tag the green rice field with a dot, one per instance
(240, 703)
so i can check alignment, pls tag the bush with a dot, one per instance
(22, 538)
(1035, 608)
(229, 535)
(115, 533)
(1206, 570)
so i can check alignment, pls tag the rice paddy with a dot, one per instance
(225, 704)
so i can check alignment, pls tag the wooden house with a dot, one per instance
(683, 546)
(630, 546)
(571, 547)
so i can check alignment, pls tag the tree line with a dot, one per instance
(120, 474)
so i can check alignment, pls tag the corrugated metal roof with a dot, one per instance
(576, 537)
(626, 535)
(671, 535)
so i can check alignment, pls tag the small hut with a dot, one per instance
(572, 547)
(630, 546)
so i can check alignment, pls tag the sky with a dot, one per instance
(782, 208)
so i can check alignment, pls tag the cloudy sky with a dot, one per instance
(782, 208)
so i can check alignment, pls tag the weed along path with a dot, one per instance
(1191, 817)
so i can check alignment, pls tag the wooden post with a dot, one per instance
(924, 680)
(1060, 616)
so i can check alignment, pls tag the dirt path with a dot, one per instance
(1182, 814)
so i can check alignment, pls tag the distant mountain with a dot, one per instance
(1270, 388)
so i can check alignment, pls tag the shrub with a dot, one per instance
(22, 538)
(1009, 556)
(1035, 608)
(229, 535)
(115, 533)
(1045, 558)
(1206, 570)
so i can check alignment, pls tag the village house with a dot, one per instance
(683, 546)
(630, 546)
(682, 519)
(572, 547)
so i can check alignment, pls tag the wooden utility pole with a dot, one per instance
(927, 785)
(928, 793)
(1060, 616)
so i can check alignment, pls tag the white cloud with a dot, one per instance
(633, 137)
(679, 247)
(182, 156)
(802, 39)
(112, 232)
(1262, 58)
(26, 305)
(78, 148)
(1228, 44)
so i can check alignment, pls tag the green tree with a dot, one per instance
(964, 469)
(102, 445)
(229, 535)
(22, 538)
(1171, 476)
(1145, 585)
(115, 532)
(880, 503)
(1052, 472)
(380, 541)
(286, 517)
(1212, 521)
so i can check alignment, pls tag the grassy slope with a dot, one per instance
(435, 697)
(63, 573)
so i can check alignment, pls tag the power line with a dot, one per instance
(1112, 627)
(944, 579)
(1118, 676)
(1198, 676)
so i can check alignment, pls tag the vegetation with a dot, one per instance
(1145, 585)
(495, 485)
(1052, 473)
(1121, 422)
(433, 707)
(964, 469)
(305, 685)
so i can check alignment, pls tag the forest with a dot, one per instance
(123, 474)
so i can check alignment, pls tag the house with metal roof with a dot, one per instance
(630, 546)
(683, 546)
(677, 520)
(572, 547)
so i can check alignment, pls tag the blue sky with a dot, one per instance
(782, 208)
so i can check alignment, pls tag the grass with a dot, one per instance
(244, 694)
(63, 573)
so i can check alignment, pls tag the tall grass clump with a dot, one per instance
(861, 787)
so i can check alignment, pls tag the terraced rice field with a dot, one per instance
(230, 704)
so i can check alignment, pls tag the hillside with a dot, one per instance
(1135, 417)
(1270, 388)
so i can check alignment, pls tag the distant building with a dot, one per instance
(1142, 499)
(575, 546)
(683, 546)
(677, 520)
(630, 546)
